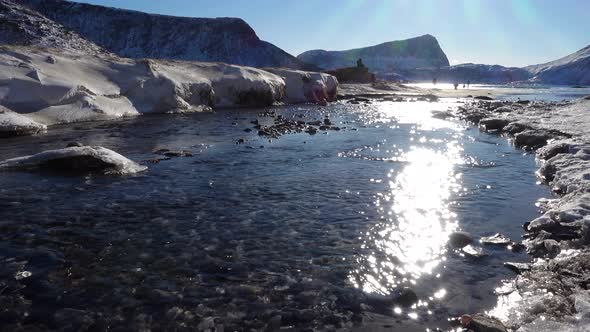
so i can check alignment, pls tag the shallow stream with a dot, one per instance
(305, 231)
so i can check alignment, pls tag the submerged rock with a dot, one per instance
(75, 159)
(405, 297)
(460, 239)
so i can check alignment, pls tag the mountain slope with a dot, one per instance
(140, 35)
(22, 26)
(419, 52)
(470, 72)
(571, 69)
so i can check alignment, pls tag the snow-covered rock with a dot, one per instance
(50, 86)
(550, 297)
(303, 86)
(418, 52)
(135, 34)
(76, 159)
(14, 124)
(73, 88)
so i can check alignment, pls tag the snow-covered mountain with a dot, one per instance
(418, 52)
(572, 69)
(470, 72)
(140, 35)
(22, 26)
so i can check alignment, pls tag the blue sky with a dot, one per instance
(506, 32)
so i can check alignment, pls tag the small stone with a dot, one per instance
(473, 251)
(496, 239)
(515, 247)
(518, 267)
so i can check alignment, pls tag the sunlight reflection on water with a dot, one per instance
(415, 219)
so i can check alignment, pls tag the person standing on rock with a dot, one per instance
(359, 63)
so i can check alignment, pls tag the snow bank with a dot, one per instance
(550, 297)
(78, 159)
(553, 295)
(303, 86)
(14, 124)
(52, 87)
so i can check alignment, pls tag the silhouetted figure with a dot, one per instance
(456, 85)
(359, 63)
(464, 85)
(468, 83)
(434, 80)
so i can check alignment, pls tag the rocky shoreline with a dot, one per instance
(552, 293)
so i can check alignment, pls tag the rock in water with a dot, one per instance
(482, 323)
(76, 159)
(460, 239)
(473, 251)
(405, 297)
(491, 124)
(497, 239)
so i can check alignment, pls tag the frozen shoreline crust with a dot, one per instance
(554, 294)
(51, 87)
(14, 124)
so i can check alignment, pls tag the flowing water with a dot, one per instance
(305, 231)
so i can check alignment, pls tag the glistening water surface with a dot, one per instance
(305, 231)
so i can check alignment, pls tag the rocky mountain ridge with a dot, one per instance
(134, 34)
(418, 52)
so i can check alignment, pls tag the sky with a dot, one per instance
(505, 32)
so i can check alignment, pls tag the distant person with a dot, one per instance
(468, 83)
(359, 63)
(434, 80)
(456, 85)
(464, 85)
